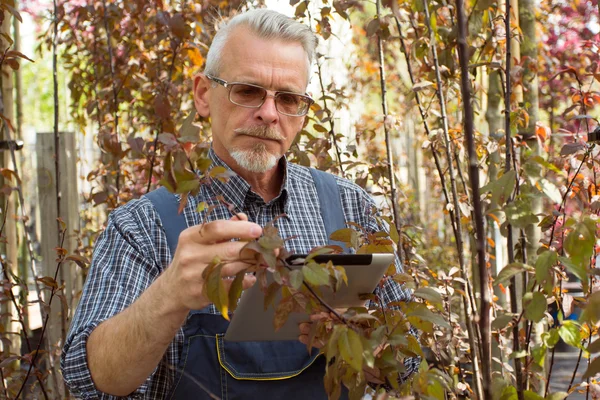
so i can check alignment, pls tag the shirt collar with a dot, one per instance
(238, 192)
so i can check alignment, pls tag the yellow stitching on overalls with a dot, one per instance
(223, 387)
(184, 363)
(257, 378)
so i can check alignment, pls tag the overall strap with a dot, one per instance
(167, 207)
(330, 204)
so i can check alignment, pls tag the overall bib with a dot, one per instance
(211, 367)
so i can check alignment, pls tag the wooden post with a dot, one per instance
(10, 229)
(60, 312)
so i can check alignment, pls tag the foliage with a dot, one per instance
(131, 65)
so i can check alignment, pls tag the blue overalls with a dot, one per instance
(211, 367)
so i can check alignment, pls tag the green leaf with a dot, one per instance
(420, 311)
(346, 235)
(593, 369)
(235, 291)
(544, 262)
(502, 188)
(511, 270)
(315, 274)
(296, 278)
(509, 393)
(538, 353)
(502, 320)
(351, 349)
(529, 395)
(557, 396)
(576, 268)
(215, 288)
(551, 337)
(535, 306)
(429, 294)
(570, 333)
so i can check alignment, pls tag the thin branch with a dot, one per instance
(329, 112)
(507, 167)
(484, 315)
(477, 379)
(388, 141)
(45, 324)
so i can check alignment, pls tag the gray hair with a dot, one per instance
(266, 24)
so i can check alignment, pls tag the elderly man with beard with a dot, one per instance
(144, 327)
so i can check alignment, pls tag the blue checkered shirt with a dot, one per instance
(132, 252)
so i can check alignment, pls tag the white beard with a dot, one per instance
(257, 159)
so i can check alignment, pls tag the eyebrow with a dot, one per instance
(251, 82)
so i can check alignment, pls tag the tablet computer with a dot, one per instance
(251, 322)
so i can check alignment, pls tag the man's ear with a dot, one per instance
(201, 86)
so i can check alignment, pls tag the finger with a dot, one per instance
(223, 231)
(239, 217)
(304, 328)
(320, 316)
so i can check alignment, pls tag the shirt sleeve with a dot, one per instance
(123, 266)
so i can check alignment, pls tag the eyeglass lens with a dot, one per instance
(254, 96)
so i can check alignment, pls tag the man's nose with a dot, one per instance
(268, 111)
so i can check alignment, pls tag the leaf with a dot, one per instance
(296, 278)
(550, 338)
(351, 348)
(534, 305)
(571, 148)
(14, 53)
(282, 312)
(529, 395)
(215, 287)
(188, 129)
(558, 396)
(81, 261)
(422, 312)
(511, 270)
(346, 235)
(373, 27)
(429, 294)
(162, 107)
(315, 274)
(270, 242)
(48, 281)
(502, 188)
(271, 293)
(502, 320)
(594, 347)
(570, 333)
(168, 139)
(593, 369)
(4, 363)
(235, 290)
(417, 87)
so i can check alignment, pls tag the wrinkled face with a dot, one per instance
(253, 138)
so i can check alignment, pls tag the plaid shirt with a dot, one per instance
(132, 252)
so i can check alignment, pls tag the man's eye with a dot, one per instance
(288, 98)
(248, 91)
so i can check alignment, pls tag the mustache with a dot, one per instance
(260, 131)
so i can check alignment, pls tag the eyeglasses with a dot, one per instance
(253, 96)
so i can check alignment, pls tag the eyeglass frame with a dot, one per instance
(228, 85)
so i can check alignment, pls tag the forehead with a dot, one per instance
(272, 63)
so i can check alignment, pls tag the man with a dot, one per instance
(144, 327)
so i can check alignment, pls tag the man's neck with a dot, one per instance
(267, 184)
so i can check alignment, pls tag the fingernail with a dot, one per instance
(256, 231)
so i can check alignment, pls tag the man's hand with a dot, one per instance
(197, 247)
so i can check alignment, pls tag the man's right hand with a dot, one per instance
(197, 247)
(139, 335)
